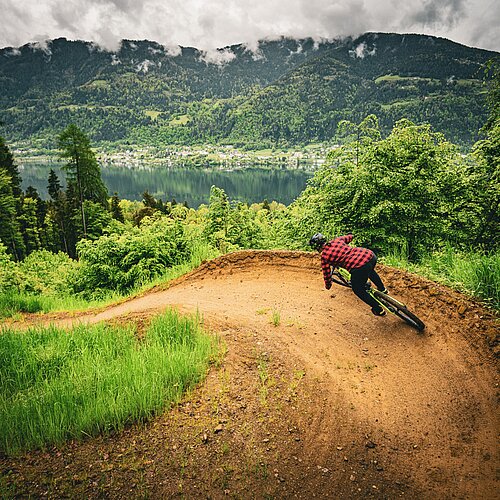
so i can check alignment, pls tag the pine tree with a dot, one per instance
(8, 164)
(29, 225)
(10, 203)
(54, 186)
(149, 200)
(60, 232)
(82, 170)
(116, 210)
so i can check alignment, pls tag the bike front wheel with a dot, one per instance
(400, 310)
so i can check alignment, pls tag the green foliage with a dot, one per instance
(472, 272)
(116, 210)
(30, 225)
(125, 261)
(10, 233)
(217, 218)
(396, 191)
(46, 273)
(32, 284)
(10, 203)
(97, 220)
(82, 171)
(8, 270)
(55, 386)
(83, 175)
(485, 200)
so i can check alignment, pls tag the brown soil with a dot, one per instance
(332, 402)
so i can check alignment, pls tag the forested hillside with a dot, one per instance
(284, 92)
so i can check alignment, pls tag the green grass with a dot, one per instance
(56, 385)
(12, 303)
(152, 114)
(398, 104)
(180, 120)
(471, 272)
(397, 78)
(276, 318)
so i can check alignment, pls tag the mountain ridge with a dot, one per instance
(144, 94)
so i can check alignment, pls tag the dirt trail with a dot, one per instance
(332, 402)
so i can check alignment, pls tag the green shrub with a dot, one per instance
(9, 273)
(475, 273)
(126, 261)
(47, 273)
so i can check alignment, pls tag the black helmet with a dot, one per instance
(317, 241)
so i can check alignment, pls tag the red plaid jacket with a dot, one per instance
(337, 253)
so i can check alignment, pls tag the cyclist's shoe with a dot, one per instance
(384, 291)
(378, 312)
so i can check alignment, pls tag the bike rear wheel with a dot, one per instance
(400, 310)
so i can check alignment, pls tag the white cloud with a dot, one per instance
(219, 57)
(362, 50)
(208, 24)
(12, 52)
(42, 46)
(145, 66)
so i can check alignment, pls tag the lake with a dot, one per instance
(249, 185)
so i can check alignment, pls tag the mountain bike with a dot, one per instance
(390, 304)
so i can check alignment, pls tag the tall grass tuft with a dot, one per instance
(56, 385)
(13, 302)
(472, 272)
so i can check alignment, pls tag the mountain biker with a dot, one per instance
(360, 262)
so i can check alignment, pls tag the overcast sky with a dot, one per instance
(208, 24)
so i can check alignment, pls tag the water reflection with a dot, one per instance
(191, 185)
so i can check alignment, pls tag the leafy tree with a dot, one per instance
(356, 136)
(403, 191)
(82, 170)
(486, 175)
(242, 230)
(98, 219)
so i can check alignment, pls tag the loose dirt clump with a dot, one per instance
(315, 397)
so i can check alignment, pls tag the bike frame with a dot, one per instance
(387, 302)
(345, 277)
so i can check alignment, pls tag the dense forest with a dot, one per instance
(286, 92)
